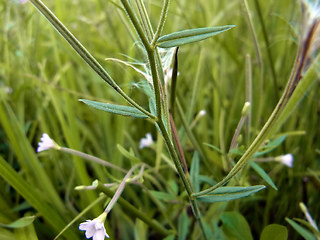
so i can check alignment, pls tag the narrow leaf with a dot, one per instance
(189, 36)
(183, 226)
(130, 155)
(301, 230)
(213, 147)
(263, 174)
(274, 232)
(20, 223)
(271, 145)
(34, 197)
(170, 237)
(229, 193)
(117, 109)
(162, 195)
(194, 172)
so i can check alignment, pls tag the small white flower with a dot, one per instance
(202, 113)
(22, 1)
(146, 142)
(95, 228)
(286, 160)
(46, 143)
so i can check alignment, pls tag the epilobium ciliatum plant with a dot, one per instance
(163, 103)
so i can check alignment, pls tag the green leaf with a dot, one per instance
(229, 193)
(130, 155)
(20, 223)
(173, 187)
(162, 195)
(189, 36)
(116, 109)
(271, 145)
(301, 230)
(235, 226)
(213, 147)
(34, 197)
(263, 174)
(183, 226)
(309, 226)
(170, 237)
(194, 172)
(206, 179)
(274, 232)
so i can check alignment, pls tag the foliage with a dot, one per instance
(41, 80)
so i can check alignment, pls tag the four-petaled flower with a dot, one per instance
(286, 160)
(46, 143)
(95, 228)
(146, 142)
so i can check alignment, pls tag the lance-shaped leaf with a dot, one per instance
(223, 194)
(117, 109)
(263, 174)
(20, 223)
(189, 36)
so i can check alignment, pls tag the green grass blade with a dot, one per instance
(20, 223)
(33, 197)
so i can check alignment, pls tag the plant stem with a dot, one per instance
(134, 211)
(183, 177)
(91, 158)
(294, 79)
(85, 54)
(163, 17)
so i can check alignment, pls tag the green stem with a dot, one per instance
(191, 136)
(183, 177)
(134, 211)
(272, 121)
(175, 158)
(91, 158)
(145, 19)
(84, 53)
(156, 85)
(162, 21)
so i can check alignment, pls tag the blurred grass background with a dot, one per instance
(41, 80)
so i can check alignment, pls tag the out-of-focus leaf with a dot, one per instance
(271, 146)
(194, 172)
(189, 36)
(20, 223)
(162, 195)
(301, 230)
(116, 109)
(274, 232)
(263, 174)
(213, 147)
(170, 237)
(206, 179)
(128, 154)
(235, 226)
(183, 226)
(229, 193)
